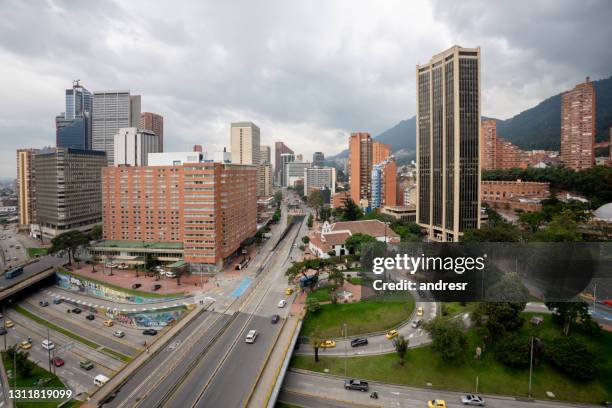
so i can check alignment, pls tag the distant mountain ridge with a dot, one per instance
(535, 128)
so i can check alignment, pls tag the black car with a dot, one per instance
(90, 317)
(43, 303)
(149, 332)
(274, 319)
(136, 286)
(360, 341)
(2, 331)
(357, 385)
(156, 287)
(76, 310)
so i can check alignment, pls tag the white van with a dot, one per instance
(251, 336)
(48, 344)
(100, 380)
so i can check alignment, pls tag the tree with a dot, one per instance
(531, 220)
(447, 339)
(568, 313)
(572, 357)
(355, 242)
(315, 342)
(96, 233)
(149, 262)
(562, 228)
(315, 200)
(325, 213)
(337, 277)
(276, 216)
(94, 260)
(309, 221)
(349, 211)
(513, 350)
(499, 317)
(401, 347)
(305, 239)
(24, 365)
(312, 305)
(68, 241)
(278, 198)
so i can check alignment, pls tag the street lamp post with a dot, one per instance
(530, 366)
(49, 349)
(345, 351)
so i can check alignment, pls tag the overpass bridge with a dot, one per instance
(33, 274)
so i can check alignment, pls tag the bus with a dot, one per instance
(13, 272)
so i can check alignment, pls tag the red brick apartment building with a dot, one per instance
(498, 153)
(578, 127)
(203, 210)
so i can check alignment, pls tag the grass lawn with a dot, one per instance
(70, 334)
(321, 294)
(361, 317)
(125, 290)
(355, 280)
(34, 252)
(450, 309)
(27, 382)
(423, 365)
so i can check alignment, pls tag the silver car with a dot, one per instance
(471, 399)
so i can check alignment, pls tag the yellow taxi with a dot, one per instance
(288, 291)
(9, 323)
(391, 334)
(25, 345)
(436, 404)
(328, 344)
(420, 311)
(108, 323)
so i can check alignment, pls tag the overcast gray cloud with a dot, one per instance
(306, 72)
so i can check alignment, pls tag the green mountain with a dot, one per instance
(536, 128)
(540, 126)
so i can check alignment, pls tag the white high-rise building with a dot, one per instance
(133, 145)
(112, 110)
(319, 178)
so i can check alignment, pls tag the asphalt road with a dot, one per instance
(42, 264)
(319, 390)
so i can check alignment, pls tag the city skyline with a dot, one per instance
(312, 103)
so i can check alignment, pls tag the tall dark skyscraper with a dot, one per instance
(279, 149)
(317, 159)
(73, 126)
(448, 143)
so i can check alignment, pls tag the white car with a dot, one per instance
(251, 336)
(471, 399)
(170, 274)
(48, 344)
(282, 303)
(118, 333)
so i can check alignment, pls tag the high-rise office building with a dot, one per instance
(203, 210)
(279, 149)
(448, 143)
(133, 145)
(265, 155)
(154, 123)
(245, 147)
(264, 184)
(363, 153)
(282, 164)
(73, 126)
(318, 159)
(578, 127)
(68, 189)
(294, 172)
(26, 186)
(384, 187)
(112, 110)
(319, 178)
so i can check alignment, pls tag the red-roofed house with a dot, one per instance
(332, 237)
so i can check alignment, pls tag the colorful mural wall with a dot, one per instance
(95, 289)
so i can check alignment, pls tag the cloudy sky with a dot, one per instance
(307, 72)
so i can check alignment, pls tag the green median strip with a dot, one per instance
(68, 333)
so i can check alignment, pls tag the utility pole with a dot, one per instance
(345, 351)
(49, 349)
(4, 324)
(530, 366)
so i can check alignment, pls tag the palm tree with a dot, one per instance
(401, 347)
(315, 342)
